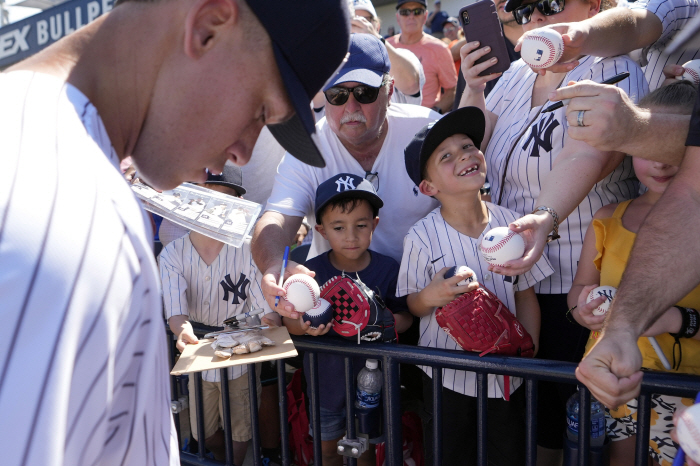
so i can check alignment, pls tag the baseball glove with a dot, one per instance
(358, 312)
(478, 321)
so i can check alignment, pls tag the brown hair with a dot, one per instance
(680, 96)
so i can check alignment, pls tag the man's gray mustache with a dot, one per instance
(353, 117)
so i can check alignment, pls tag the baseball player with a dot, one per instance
(444, 161)
(207, 281)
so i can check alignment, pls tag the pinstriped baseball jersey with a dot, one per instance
(536, 141)
(84, 365)
(432, 244)
(210, 294)
(674, 15)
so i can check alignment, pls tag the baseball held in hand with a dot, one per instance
(321, 313)
(691, 72)
(302, 292)
(542, 48)
(461, 269)
(501, 245)
(688, 432)
(602, 291)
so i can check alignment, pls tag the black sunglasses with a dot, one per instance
(415, 11)
(523, 13)
(363, 93)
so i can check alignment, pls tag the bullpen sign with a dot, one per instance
(24, 38)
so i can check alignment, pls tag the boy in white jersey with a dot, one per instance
(207, 281)
(445, 162)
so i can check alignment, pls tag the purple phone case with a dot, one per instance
(480, 23)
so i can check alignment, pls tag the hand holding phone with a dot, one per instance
(480, 24)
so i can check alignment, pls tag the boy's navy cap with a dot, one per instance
(309, 41)
(345, 185)
(401, 2)
(231, 177)
(367, 63)
(467, 120)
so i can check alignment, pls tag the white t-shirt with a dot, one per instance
(674, 15)
(210, 294)
(432, 244)
(537, 149)
(84, 372)
(295, 186)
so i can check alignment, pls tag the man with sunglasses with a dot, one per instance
(362, 133)
(440, 74)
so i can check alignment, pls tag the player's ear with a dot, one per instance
(319, 228)
(427, 188)
(205, 21)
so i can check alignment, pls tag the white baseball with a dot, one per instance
(608, 292)
(542, 48)
(688, 432)
(461, 269)
(691, 72)
(302, 292)
(501, 245)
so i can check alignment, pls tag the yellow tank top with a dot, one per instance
(614, 244)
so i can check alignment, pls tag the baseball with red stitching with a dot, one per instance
(542, 48)
(605, 291)
(691, 72)
(461, 269)
(501, 245)
(302, 292)
(688, 432)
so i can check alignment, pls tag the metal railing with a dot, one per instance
(391, 355)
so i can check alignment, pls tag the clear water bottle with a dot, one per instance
(597, 420)
(369, 385)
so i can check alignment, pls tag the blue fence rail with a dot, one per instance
(531, 370)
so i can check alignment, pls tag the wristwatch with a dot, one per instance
(555, 230)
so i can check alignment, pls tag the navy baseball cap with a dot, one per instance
(309, 40)
(367, 63)
(345, 185)
(401, 2)
(467, 120)
(231, 177)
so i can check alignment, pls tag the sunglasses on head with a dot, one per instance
(523, 13)
(363, 93)
(415, 11)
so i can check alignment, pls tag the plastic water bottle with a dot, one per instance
(597, 420)
(369, 386)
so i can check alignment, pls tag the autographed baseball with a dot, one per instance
(302, 292)
(542, 48)
(688, 432)
(321, 313)
(691, 72)
(452, 271)
(608, 292)
(501, 245)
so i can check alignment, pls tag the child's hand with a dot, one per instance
(272, 319)
(316, 332)
(584, 311)
(186, 337)
(442, 291)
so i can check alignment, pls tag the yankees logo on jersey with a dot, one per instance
(207, 293)
(534, 140)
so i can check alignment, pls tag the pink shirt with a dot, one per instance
(438, 66)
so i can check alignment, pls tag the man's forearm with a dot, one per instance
(272, 233)
(619, 31)
(446, 101)
(405, 73)
(664, 265)
(659, 137)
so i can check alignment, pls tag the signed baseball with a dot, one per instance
(542, 48)
(302, 292)
(608, 292)
(321, 313)
(688, 432)
(461, 269)
(691, 72)
(501, 245)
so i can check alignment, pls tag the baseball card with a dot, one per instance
(215, 213)
(169, 200)
(192, 207)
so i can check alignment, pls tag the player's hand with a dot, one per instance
(186, 337)
(574, 36)
(470, 53)
(584, 311)
(534, 228)
(611, 370)
(441, 291)
(271, 290)
(316, 332)
(360, 25)
(610, 117)
(670, 73)
(272, 319)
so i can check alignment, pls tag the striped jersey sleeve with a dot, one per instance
(173, 281)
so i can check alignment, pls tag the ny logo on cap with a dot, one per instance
(347, 184)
